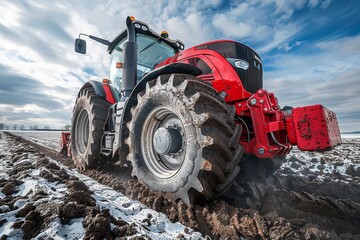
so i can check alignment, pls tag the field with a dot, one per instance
(312, 196)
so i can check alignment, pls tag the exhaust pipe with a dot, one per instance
(129, 60)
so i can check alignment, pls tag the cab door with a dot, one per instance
(116, 70)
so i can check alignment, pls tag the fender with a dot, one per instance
(122, 132)
(171, 68)
(103, 90)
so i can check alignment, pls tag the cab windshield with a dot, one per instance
(151, 51)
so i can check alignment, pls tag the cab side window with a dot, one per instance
(115, 72)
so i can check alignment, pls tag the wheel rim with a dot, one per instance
(82, 131)
(166, 163)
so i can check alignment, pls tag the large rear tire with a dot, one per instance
(183, 139)
(87, 127)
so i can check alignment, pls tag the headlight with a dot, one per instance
(241, 64)
(137, 25)
(145, 28)
(180, 45)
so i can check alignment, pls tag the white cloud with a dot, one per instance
(288, 6)
(329, 76)
(267, 24)
(235, 28)
(191, 29)
(313, 3)
(263, 23)
(43, 52)
(347, 46)
(37, 44)
(325, 3)
(280, 36)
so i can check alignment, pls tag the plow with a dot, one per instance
(188, 121)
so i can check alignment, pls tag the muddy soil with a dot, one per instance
(36, 210)
(288, 205)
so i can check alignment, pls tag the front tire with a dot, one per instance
(183, 139)
(87, 128)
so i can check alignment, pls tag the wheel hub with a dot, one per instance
(82, 131)
(163, 142)
(167, 140)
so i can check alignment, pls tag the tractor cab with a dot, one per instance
(152, 49)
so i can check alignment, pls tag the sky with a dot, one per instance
(310, 49)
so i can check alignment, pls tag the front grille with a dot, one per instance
(251, 78)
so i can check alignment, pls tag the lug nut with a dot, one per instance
(253, 101)
(261, 150)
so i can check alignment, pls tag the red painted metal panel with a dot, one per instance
(271, 131)
(225, 77)
(65, 143)
(316, 128)
(109, 95)
(269, 126)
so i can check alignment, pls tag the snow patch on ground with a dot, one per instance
(341, 163)
(48, 139)
(132, 211)
(119, 205)
(350, 135)
(56, 230)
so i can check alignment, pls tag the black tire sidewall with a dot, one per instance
(82, 103)
(173, 183)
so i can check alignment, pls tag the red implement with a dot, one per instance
(64, 143)
(311, 128)
(315, 128)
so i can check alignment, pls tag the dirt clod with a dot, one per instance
(81, 197)
(52, 165)
(48, 176)
(71, 210)
(3, 237)
(2, 221)
(17, 224)
(9, 188)
(32, 224)
(25, 210)
(97, 227)
(77, 185)
(293, 204)
(123, 231)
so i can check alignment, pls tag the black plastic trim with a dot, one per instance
(129, 59)
(171, 68)
(99, 89)
(97, 86)
(149, 32)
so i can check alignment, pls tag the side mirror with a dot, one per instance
(80, 46)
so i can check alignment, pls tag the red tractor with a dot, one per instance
(189, 121)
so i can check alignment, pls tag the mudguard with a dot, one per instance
(121, 131)
(171, 68)
(103, 90)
